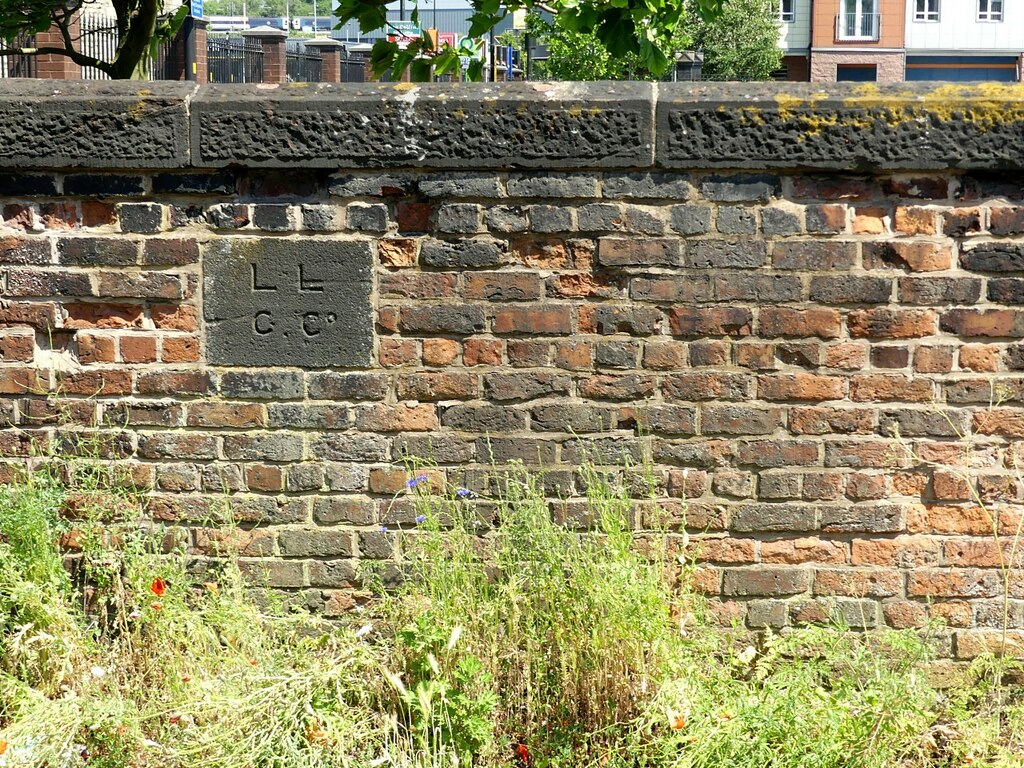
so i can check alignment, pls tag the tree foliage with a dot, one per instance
(140, 26)
(742, 43)
(638, 28)
(580, 55)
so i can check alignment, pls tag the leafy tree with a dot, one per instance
(140, 26)
(742, 43)
(580, 55)
(640, 28)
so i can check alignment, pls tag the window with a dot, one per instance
(926, 10)
(859, 20)
(990, 10)
(787, 11)
(856, 73)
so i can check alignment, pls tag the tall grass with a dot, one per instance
(515, 640)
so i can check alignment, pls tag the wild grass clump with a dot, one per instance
(128, 659)
(570, 633)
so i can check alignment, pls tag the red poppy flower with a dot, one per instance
(522, 754)
(158, 587)
(157, 606)
(3, 746)
(679, 722)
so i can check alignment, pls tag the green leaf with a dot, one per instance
(476, 70)
(421, 70)
(382, 56)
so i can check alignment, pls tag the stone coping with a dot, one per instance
(794, 126)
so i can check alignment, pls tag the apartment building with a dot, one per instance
(895, 40)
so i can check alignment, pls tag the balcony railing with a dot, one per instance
(858, 26)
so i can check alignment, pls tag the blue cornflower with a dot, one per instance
(383, 529)
(421, 518)
(416, 481)
(465, 493)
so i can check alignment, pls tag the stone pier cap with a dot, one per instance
(792, 126)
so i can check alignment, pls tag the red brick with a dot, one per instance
(38, 314)
(542, 320)
(911, 255)
(890, 324)
(934, 359)
(417, 285)
(438, 386)
(710, 321)
(58, 215)
(138, 348)
(21, 381)
(440, 352)
(502, 286)
(865, 487)
(573, 355)
(915, 220)
(954, 613)
(714, 549)
(175, 317)
(414, 217)
(858, 582)
(481, 352)
(983, 322)
(628, 387)
(18, 216)
(398, 352)
(966, 582)
(97, 214)
(803, 550)
(96, 348)
(17, 345)
(184, 382)
(101, 315)
(883, 387)
(217, 415)
(397, 252)
(869, 221)
(392, 480)
(397, 418)
(950, 486)
(264, 477)
(967, 520)
(900, 552)
(979, 553)
(664, 355)
(847, 356)
(584, 286)
(542, 254)
(979, 357)
(800, 386)
(904, 614)
(180, 349)
(95, 382)
(782, 321)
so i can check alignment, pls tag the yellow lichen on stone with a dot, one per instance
(404, 87)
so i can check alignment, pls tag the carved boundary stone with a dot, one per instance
(276, 302)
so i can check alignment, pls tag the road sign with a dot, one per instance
(403, 31)
(197, 9)
(446, 38)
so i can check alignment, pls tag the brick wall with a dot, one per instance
(755, 335)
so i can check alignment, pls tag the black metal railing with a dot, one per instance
(234, 60)
(301, 64)
(99, 39)
(18, 66)
(353, 68)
